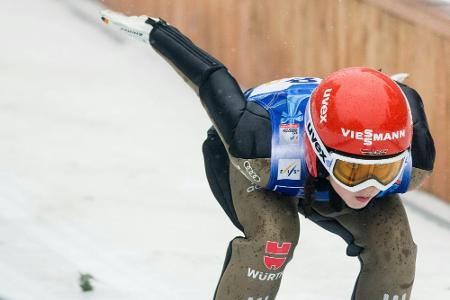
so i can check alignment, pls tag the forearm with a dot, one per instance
(219, 92)
(244, 127)
(237, 122)
(418, 177)
(185, 56)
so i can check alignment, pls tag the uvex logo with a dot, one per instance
(315, 142)
(272, 248)
(324, 107)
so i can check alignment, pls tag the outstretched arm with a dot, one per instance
(240, 124)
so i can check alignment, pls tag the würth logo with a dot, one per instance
(273, 248)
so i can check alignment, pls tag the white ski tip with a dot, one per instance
(399, 77)
(108, 15)
(136, 27)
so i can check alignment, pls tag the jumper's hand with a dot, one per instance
(136, 27)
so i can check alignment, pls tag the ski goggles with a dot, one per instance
(355, 174)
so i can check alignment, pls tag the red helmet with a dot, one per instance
(356, 112)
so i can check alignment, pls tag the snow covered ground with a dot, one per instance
(101, 172)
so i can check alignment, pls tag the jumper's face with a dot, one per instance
(355, 200)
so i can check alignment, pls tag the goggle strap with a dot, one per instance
(316, 143)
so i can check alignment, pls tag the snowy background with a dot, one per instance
(101, 172)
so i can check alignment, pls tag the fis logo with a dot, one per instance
(272, 248)
(289, 169)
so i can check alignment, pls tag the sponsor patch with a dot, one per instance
(289, 169)
(263, 276)
(317, 144)
(324, 107)
(253, 187)
(394, 297)
(369, 136)
(282, 84)
(259, 298)
(281, 251)
(251, 172)
(289, 134)
(368, 152)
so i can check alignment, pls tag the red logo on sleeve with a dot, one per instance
(273, 248)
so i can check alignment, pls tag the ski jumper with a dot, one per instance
(241, 172)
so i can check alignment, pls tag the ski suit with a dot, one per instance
(237, 155)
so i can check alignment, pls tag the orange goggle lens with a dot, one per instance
(352, 174)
